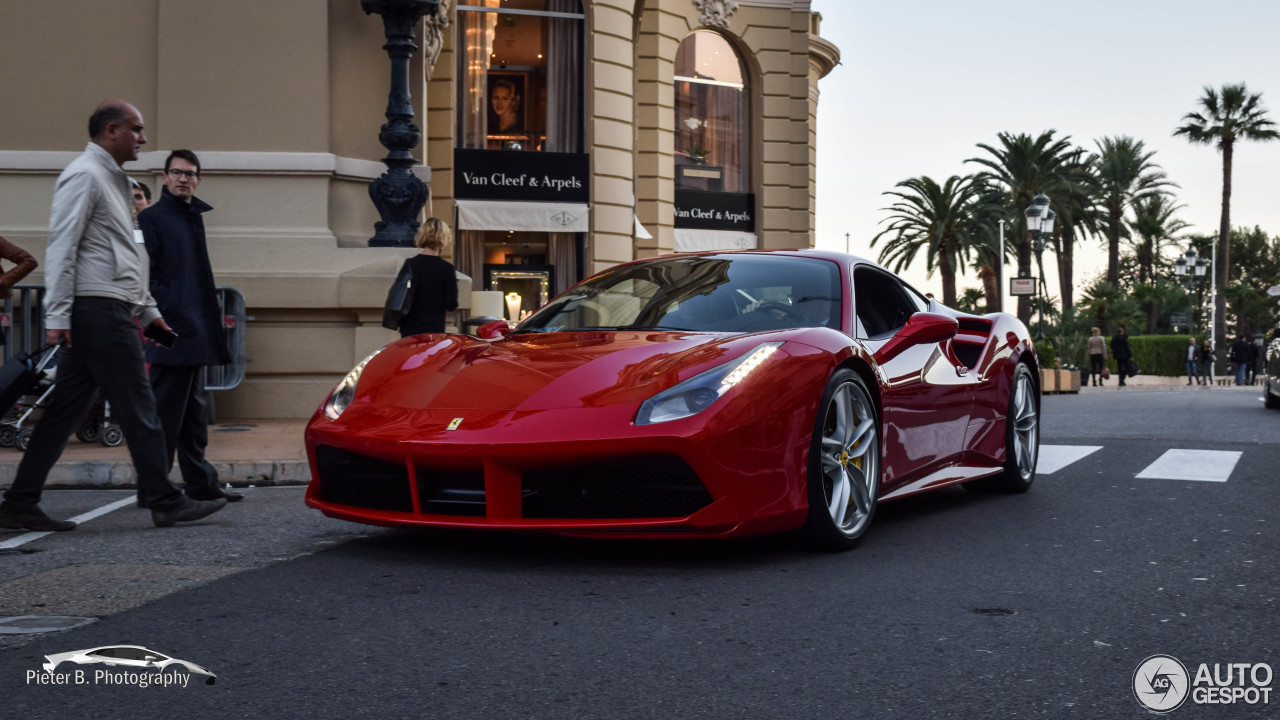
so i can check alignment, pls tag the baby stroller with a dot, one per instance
(41, 376)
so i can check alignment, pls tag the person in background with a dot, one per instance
(1193, 354)
(96, 284)
(1240, 357)
(141, 196)
(1097, 356)
(435, 284)
(1206, 363)
(1255, 352)
(183, 286)
(1121, 352)
(23, 264)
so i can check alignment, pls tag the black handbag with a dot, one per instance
(399, 299)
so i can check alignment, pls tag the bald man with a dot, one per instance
(95, 285)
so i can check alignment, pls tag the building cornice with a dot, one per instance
(823, 54)
(52, 162)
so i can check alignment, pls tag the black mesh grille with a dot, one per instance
(451, 492)
(645, 487)
(347, 478)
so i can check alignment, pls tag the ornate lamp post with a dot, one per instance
(1192, 270)
(398, 194)
(1040, 225)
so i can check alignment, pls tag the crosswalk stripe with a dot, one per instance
(1055, 457)
(1200, 465)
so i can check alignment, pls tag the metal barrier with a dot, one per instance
(22, 324)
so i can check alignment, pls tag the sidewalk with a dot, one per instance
(1158, 383)
(245, 452)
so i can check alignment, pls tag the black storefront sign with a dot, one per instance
(519, 175)
(701, 210)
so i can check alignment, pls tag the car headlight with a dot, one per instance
(345, 392)
(698, 392)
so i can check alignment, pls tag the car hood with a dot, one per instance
(531, 372)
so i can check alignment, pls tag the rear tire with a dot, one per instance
(8, 434)
(23, 439)
(844, 464)
(89, 432)
(1021, 435)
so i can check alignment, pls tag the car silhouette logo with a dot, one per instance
(125, 656)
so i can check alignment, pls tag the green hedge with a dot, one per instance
(1155, 354)
(1158, 354)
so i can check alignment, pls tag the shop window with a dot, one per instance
(520, 64)
(712, 116)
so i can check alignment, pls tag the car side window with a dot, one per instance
(881, 302)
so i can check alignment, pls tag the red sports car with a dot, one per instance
(703, 395)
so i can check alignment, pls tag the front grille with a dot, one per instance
(451, 492)
(348, 478)
(660, 486)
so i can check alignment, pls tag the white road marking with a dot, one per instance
(1200, 465)
(86, 517)
(1055, 457)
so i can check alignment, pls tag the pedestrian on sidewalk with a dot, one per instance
(434, 280)
(23, 264)
(1193, 354)
(1097, 356)
(1240, 358)
(1255, 352)
(1121, 352)
(1206, 363)
(183, 286)
(95, 285)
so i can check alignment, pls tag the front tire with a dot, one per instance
(1271, 401)
(844, 464)
(1021, 435)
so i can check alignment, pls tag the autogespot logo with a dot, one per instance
(1161, 683)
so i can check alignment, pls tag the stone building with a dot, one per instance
(560, 137)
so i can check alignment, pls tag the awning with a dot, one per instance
(527, 216)
(688, 240)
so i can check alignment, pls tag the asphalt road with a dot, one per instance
(957, 605)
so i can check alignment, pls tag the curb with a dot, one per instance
(98, 474)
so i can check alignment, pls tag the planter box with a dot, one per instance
(1048, 381)
(1068, 381)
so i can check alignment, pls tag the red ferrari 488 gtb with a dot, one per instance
(704, 395)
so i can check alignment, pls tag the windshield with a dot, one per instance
(718, 293)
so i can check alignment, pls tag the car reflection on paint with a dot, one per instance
(1271, 373)
(125, 656)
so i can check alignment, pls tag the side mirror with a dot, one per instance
(923, 328)
(493, 330)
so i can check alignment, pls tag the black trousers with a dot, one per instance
(1096, 363)
(105, 355)
(183, 404)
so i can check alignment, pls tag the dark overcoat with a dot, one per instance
(182, 282)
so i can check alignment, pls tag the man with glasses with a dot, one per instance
(182, 284)
(95, 285)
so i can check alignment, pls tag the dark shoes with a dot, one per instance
(219, 492)
(186, 512)
(33, 519)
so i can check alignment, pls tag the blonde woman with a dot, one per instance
(435, 285)
(1097, 356)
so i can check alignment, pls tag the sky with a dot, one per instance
(922, 82)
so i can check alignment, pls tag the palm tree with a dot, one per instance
(1079, 214)
(1156, 228)
(1024, 166)
(1231, 115)
(936, 218)
(1126, 174)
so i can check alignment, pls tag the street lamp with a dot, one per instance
(1191, 269)
(1040, 224)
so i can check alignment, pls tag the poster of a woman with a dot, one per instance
(506, 103)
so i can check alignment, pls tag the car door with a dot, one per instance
(927, 393)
